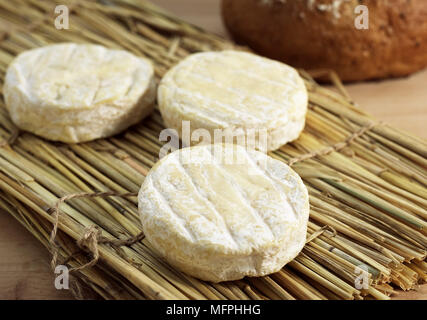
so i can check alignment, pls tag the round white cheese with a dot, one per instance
(248, 95)
(220, 212)
(78, 92)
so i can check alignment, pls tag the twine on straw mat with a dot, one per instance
(336, 147)
(92, 236)
(321, 231)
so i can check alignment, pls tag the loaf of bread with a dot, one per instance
(321, 34)
(78, 92)
(220, 212)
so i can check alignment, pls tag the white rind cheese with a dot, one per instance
(238, 91)
(78, 92)
(219, 220)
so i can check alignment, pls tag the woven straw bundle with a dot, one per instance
(367, 181)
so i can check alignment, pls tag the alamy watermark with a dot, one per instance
(250, 139)
(362, 279)
(361, 22)
(62, 280)
(62, 20)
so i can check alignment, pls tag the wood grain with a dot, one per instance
(24, 265)
(399, 102)
(24, 262)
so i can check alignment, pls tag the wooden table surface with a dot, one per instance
(24, 263)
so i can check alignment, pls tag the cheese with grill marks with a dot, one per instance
(237, 91)
(220, 212)
(78, 92)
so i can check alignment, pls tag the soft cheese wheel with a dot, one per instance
(78, 92)
(221, 220)
(237, 91)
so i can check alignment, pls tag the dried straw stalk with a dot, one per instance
(372, 191)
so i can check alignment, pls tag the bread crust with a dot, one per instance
(320, 34)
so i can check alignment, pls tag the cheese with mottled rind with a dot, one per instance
(221, 212)
(78, 92)
(238, 91)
